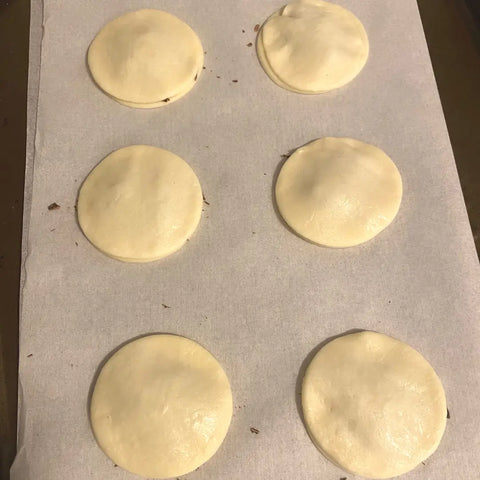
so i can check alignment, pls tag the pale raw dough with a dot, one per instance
(161, 406)
(373, 405)
(312, 46)
(140, 204)
(338, 192)
(145, 57)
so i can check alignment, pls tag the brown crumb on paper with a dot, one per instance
(196, 76)
(243, 31)
(30, 355)
(76, 244)
(205, 200)
(256, 28)
(285, 156)
(166, 100)
(254, 430)
(115, 465)
(235, 81)
(249, 44)
(343, 478)
(166, 306)
(448, 413)
(53, 206)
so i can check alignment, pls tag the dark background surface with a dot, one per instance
(452, 29)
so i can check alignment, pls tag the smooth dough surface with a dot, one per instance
(312, 46)
(338, 192)
(140, 204)
(373, 405)
(144, 57)
(161, 406)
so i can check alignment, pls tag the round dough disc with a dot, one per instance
(140, 204)
(312, 46)
(338, 192)
(145, 57)
(161, 406)
(373, 405)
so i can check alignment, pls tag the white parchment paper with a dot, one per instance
(258, 297)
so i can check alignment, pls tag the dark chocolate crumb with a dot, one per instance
(76, 244)
(235, 81)
(166, 100)
(218, 76)
(243, 31)
(196, 76)
(75, 207)
(254, 430)
(115, 465)
(205, 200)
(448, 413)
(203, 68)
(249, 44)
(264, 173)
(256, 28)
(30, 355)
(54, 206)
(205, 53)
(343, 478)
(165, 306)
(423, 463)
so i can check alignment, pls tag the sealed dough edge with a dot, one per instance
(161, 406)
(315, 407)
(161, 103)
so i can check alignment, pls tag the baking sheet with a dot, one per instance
(258, 297)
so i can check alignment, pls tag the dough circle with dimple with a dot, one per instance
(161, 406)
(141, 203)
(146, 58)
(312, 46)
(338, 192)
(373, 405)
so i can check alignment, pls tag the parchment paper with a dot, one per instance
(257, 296)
